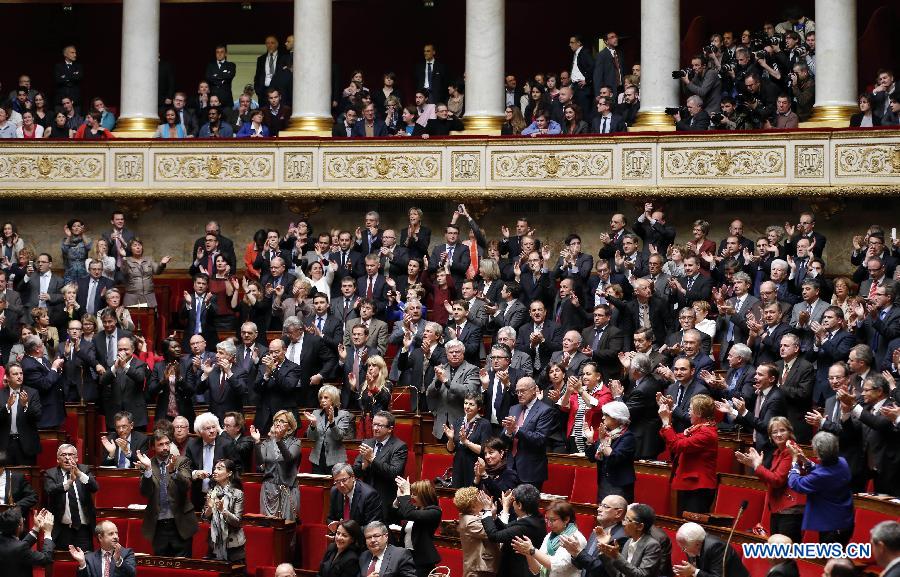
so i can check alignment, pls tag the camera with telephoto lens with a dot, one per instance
(801, 51)
(682, 110)
(760, 54)
(710, 49)
(684, 72)
(726, 68)
(716, 117)
(775, 40)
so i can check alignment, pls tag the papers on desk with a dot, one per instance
(136, 507)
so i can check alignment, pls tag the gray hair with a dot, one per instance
(32, 343)
(791, 337)
(375, 525)
(742, 276)
(694, 99)
(250, 326)
(506, 331)
(434, 327)
(292, 322)
(342, 468)
(454, 344)
(641, 363)
(204, 419)
(742, 351)
(826, 446)
(65, 447)
(779, 263)
(690, 533)
(374, 215)
(227, 347)
(887, 533)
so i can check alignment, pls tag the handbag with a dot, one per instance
(445, 480)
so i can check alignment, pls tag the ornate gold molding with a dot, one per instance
(809, 161)
(129, 167)
(724, 162)
(551, 164)
(48, 166)
(227, 166)
(298, 167)
(466, 166)
(866, 160)
(388, 166)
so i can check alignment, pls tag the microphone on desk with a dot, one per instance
(744, 504)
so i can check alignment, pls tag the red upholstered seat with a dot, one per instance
(561, 479)
(677, 554)
(404, 432)
(118, 492)
(65, 568)
(452, 558)
(136, 539)
(351, 458)
(401, 401)
(260, 552)
(757, 566)
(728, 499)
(312, 545)
(251, 497)
(70, 425)
(448, 508)
(865, 520)
(808, 568)
(305, 463)
(725, 461)
(200, 544)
(584, 489)
(585, 523)
(47, 457)
(268, 572)
(301, 428)
(312, 505)
(435, 464)
(652, 490)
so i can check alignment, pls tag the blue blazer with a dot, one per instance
(380, 129)
(246, 130)
(530, 461)
(829, 499)
(618, 468)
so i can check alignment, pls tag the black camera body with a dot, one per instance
(686, 72)
(673, 110)
(710, 49)
(716, 117)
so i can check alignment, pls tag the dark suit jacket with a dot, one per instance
(332, 330)
(660, 318)
(221, 399)
(606, 354)
(345, 565)
(605, 71)
(887, 330)
(178, 489)
(49, 386)
(535, 289)
(379, 292)
(680, 419)
(881, 439)
(124, 391)
(746, 376)
(103, 285)
(470, 337)
(281, 79)
(18, 491)
(94, 565)
(618, 468)
(378, 130)
(365, 506)
(207, 312)
(787, 568)
(700, 290)
(219, 80)
(426, 521)
(459, 264)
(26, 421)
(31, 290)
(766, 349)
(56, 496)
(835, 349)
(775, 405)
(389, 463)
(710, 560)
(17, 556)
(658, 234)
(315, 357)
(552, 341)
(263, 263)
(158, 388)
(396, 562)
(439, 79)
(645, 423)
(797, 389)
(100, 346)
(68, 77)
(416, 371)
(79, 372)
(530, 461)
(276, 393)
(194, 452)
(511, 563)
(513, 315)
(507, 397)
(139, 442)
(699, 121)
(615, 124)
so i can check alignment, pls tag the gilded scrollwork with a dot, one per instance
(411, 166)
(466, 166)
(225, 166)
(46, 167)
(559, 164)
(759, 161)
(867, 159)
(298, 167)
(129, 167)
(809, 161)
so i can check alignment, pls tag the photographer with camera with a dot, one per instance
(712, 52)
(692, 117)
(784, 116)
(760, 95)
(796, 22)
(699, 81)
(771, 59)
(803, 90)
(733, 74)
(732, 116)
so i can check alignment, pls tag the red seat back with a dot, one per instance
(47, 457)
(865, 519)
(404, 432)
(305, 462)
(136, 539)
(270, 572)
(251, 497)
(65, 568)
(401, 401)
(585, 523)
(448, 508)
(452, 558)
(584, 488)
(725, 461)
(260, 552)
(677, 554)
(200, 544)
(560, 481)
(808, 568)
(728, 500)
(312, 545)
(118, 492)
(312, 509)
(352, 454)
(302, 426)
(435, 464)
(70, 425)
(652, 490)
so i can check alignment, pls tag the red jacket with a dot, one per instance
(592, 416)
(780, 496)
(696, 449)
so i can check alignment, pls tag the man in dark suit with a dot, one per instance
(352, 360)
(242, 445)
(885, 547)
(67, 75)
(41, 287)
(203, 453)
(352, 499)
(275, 385)
(879, 322)
(269, 254)
(79, 381)
(535, 281)
(198, 312)
(432, 74)
(383, 559)
(381, 460)
(526, 501)
(574, 263)
(20, 413)
(581, 73)
(567, 309)
(651, 227)
(642, 406)
(376, 330)
(769, 401)
(572, 357)
(645, 311)
(797, 380)
(276, 114)
(526, 429)
(372, 285)
(368, 238)
(369, 126)
(16, 490)
(223, 382)
(46, 380)
(187, 117)
(69, 488)
(765, 337)
(612, 241)
(122, 386)
(121, 451)
(880, 437)
(344, 128)
(540, 338)
(497, 385)
(417, 364)
(466, 332)
(609, 69)
(223, 244)
(325, 326)
(451, 254)
(705, 554)
(349, 261)
(273, 70)
(119, 561)
(684, 386)
(16, 555)
(92, 289)
(698, 118)
(849, 435)
(169, 519)
(691, 287)
(739, 378)
(119, 236)
(219, 74)
(603, 342)
(509, 312)
(313, 357)
(605, 121)
(732, 326)
(832, 343)
(690, 346)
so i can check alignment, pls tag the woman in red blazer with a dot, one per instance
(700, 244)
(785, 506)
(583, 400)
(694, 452)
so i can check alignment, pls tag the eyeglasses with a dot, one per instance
(373, 537)
(498, 357)
(607, 507)
(342, 481)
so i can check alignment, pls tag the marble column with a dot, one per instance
(312, 68)
(485, 42)
(836, 76)
(139, 112)
(660, 50)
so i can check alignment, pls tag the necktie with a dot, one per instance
(371, 568)
(370, 288)
(14, 414)
(92, 297)
(123, 460)
(347, 508)
(378, 446)
(519, 421)
(111, 349)
(357, 359)
(107, 564)
(690, 283)
(164, 505)
(73, 506)
(428, 66)
(603, 125)
(198, 313)
(836, 417)
(785, 372)
(272, 64)
(208, 454)
(346, 306)
(221, 384)
(498, 398)
(558, 312)
(876, 338)
(319, 323)
(679, 396)
(760, 399)
(458, 331)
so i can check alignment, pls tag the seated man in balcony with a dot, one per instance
(784, 116)
(445, 122)
(345, 127)
(217, 127)
(277, 114)
(697, 119)
(605, 121)
(542, 125)
(369, 126)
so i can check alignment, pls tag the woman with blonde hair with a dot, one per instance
(374, 393)
(278, 457)
(48, 334)
(489, 272)
(138, 271)
(329, 425)
(481, 557)
(101, 253)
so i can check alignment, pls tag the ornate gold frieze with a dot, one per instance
(466, 166)
(554, 164)
(386, 166)
(227, 166)
(809, 161)
(637, 163)
(129, 167)
(867, 159)
(67, 166)
(725, 162)
(298, 167)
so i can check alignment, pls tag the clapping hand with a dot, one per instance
(684, 569)
(570, 544)
(143, 459)
(752, 458)
(448, 432)
(522, 545)
(77, 555)
(108, 445)
(611, 549)
(402, 486)
(255, 434)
